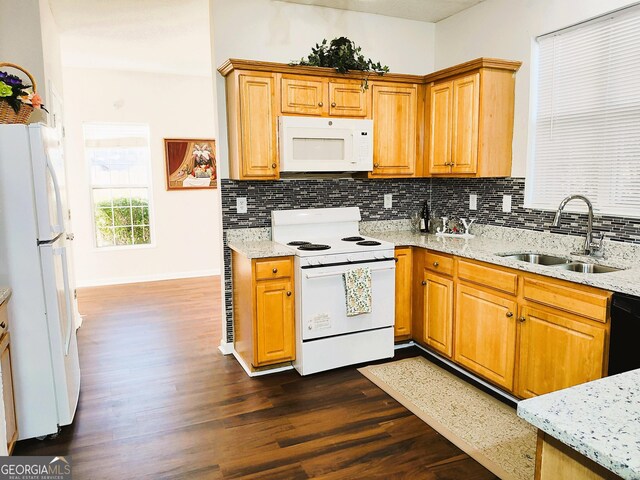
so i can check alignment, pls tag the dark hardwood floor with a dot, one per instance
(159, 401)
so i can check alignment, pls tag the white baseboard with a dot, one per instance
(101, 282)
(248, 371)
(226, 348)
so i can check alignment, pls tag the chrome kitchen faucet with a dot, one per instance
(591, 248)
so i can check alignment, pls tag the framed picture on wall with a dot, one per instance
(190, 163)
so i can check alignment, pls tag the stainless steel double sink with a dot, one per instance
(560, 263)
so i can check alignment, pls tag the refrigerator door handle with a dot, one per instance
(62, 251)
(59, 227)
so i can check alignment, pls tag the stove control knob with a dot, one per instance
(310, 327)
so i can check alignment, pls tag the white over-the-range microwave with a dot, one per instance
(314, 144)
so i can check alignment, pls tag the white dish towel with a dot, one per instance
(357, 288)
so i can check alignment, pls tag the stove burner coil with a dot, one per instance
(314, 246)
(352, 239)
(297, 243)
(368, 243)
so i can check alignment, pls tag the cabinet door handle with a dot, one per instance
(509, 314)
(435, 264)
(376, 165)
(273, 165)
(288, 294)
(275, 270)
(424, 282)
(522, 318)
(3, 325)
(333, 104)
(320, 104)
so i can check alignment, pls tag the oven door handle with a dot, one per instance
(333, 274)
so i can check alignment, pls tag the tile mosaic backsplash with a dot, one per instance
(447, 196)
(450, 197)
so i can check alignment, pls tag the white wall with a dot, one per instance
(281, 32)
(29, 38)
(187, 232)
(507, 29)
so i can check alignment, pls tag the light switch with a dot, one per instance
(473, 201)
(241, 205)
(388, 200)
(506, 203)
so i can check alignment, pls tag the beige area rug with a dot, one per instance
(486, 429)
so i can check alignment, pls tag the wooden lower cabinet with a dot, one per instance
(402, 328)
(263, 307)
(485, 334)
(557, 351)
(7, 392)
(438, 313)
(11, 423)
(555, 460)
(523, 332)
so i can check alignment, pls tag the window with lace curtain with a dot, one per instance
(587, 118)
(119, 164)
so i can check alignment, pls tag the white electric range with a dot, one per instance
(326, 244)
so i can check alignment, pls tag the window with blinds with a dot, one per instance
(587, 130)
(119, 164)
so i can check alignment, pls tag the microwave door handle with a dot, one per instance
(333, 274)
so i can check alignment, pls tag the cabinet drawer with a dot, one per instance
(268, 269)
(488, 276)
(4, 319)
(587, 303)
(438, 263)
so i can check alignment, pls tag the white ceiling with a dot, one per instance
(164, 36)
(423, 10)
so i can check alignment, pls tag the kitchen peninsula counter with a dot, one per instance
(598, 419)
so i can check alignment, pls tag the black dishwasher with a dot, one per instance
(624, 354)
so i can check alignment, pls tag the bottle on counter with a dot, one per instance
(424, 218)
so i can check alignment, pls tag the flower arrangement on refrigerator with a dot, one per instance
(14, 92)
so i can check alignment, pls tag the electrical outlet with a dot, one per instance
(506, 203)
(388, 200)
(473, 201)
(241, 205)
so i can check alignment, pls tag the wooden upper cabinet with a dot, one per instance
(470, 119)
(453, 122)
(347, 99)
(440, 133)
(395, 118)
(303, 96)
(464, 149)
(252, 126)
(323, 97)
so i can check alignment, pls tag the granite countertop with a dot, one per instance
(485, 249)
(600, 419)
(488, 242)
(5, 293)
(259, 248)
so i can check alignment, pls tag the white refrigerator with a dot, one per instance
(34, 253)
